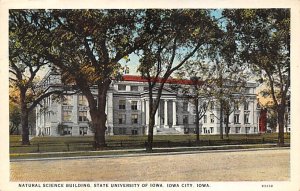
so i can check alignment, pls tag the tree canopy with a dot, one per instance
(263, 37)
(88, 45)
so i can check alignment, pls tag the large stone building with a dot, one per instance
(128, 111)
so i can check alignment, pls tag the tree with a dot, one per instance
(264, 43)
(178, 37)
(24, 64)
(201, 100)
(271, 117)
(14, 118)
(198, 92)
(222, 85)
(86, 46)
(227, 74)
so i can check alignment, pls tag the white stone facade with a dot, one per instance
(128, 112)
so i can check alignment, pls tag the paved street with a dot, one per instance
(267, 165)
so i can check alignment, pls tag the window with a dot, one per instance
(211, 129)
(134, 131)
(134, 105)
(185, 119)
(247, 129)
(237, 129)
(236, 105)
(122, 87)
(122, 131)
(82, 116)
(212, 118)
(204, 119)
(194, 119)
(212, 105)
(83, 130)
(185, 106)
(134, 119)
(67, 115)
(122, 118)
(134, 88)
(67, 100)
(48, 101)
(82, 100)
(122, 104)
(236, 118)
(67, 131)
(194, 110)
(246, 119)
(246, 106)
(48, 115)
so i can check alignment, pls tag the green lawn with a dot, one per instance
(137, 151)
(85, 143)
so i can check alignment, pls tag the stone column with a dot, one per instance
(251, 121)
(147, 112)
(143, 112)
(242, 120)
(174, 113)
(156, 118)
(231, 122)
(109, 112)
(166, 114)
(158, 115)
(75, 112)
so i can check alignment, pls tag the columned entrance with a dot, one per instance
(169, 113)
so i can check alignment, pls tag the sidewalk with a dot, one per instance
(245, 165)
(142, 152)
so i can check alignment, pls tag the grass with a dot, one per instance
(137, 151)
(118, 142)
(16, 139)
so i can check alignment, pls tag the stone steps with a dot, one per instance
(167, 131)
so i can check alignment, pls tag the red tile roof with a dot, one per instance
(134, 78)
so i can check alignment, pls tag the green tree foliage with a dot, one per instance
(86, 46)
(14, 118)
(263, 37)
(25, 62)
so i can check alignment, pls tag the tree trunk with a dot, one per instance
(24, 124)
(98, 117)
(150, 133)
(98, 122)
(197, 120)
(227, 125)
(280, 117)
(24, 118)
(152, 110)
(221, 120)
